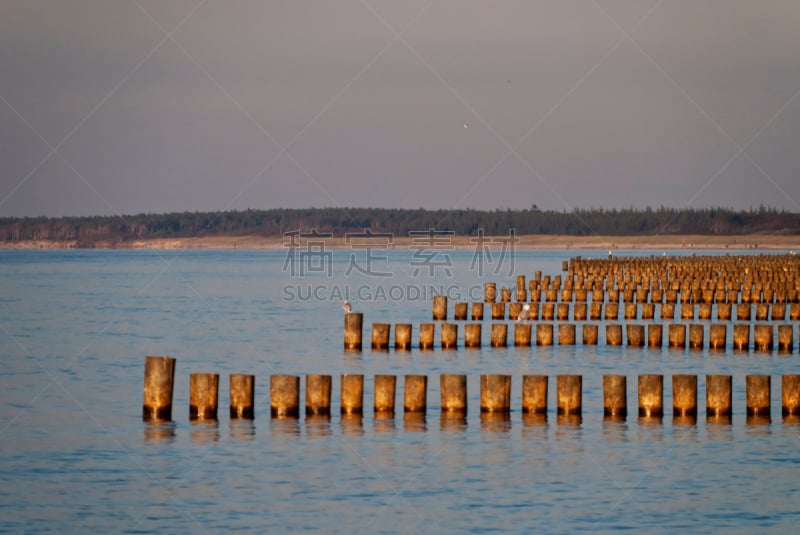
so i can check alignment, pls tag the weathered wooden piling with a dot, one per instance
(566, 334)
(613, 334)
(449, 335)
(522, 334)
(318, 394)
(499, 334)
(534, 394)
(612, 311)
(415, 393)
(786, 338)
(569, 393)
(544, 334)
(718, 395)
(596, 310)
(687, 311)
(514, 310)
(499, 310)
(203, 396)
(477, 312)
(426, 333)
(778, 311)
(453, 391)
(794, 311)
(615, 396)
(724, 311)
(159, 380)
(548, 311)
(667, 311)
(402, 336)
(762, 311)
(684, 395)
(522, 293)
(651, 396)
(352, 330)
(717, 336)
(762, 336)
(352, 395)
(489, 292)
(579, 312)
(704, 311)
(439, 307)
(741, 336)
(495, 393)
(384, 394)
(631, 311)
(505, 295)
(472, 335)
(648, 311)
(460, 311)
(635, 334)
(654, 335)
(562, 311)
(284, 396)
(589, 334)
(242, 390)
(677, 335)
(696, 335)
(743, 311)
(758, 392)
(380, 336)
(790, 395)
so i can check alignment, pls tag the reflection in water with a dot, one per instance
(615, 429)
(242, 429)
(719, 428)
(650, 429)
(758, 425)
(684, 421)
(414, 422)
(384, 422)
(285, 425)
(318, 425)
(159, 431)
(495, 422)
(536, 419)
(453, 421)
(204, 431)
(791, 419)
(352, 424)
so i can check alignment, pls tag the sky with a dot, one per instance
(111, 107)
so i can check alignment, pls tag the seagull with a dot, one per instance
(524, 313)
(346, 307)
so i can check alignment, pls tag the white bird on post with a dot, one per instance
(346, 307)
(525, 313)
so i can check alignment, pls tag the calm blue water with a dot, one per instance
(75, 456)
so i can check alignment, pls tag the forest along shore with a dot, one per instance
(441, 242)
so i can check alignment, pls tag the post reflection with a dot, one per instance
(242, 429)
(615, 429)
(318, 425)
(453, 421)
(204, 431)
(284, 426)
(496, 422)
(352, 424)
(159, 431)
(414, 422)
(384, 422)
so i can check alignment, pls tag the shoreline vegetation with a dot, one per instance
(525, 242)
(382, 228)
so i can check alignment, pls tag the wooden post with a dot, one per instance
(613, 334)
(718, 334)
(615, 396)
(499, 334)
(439, 307)
(242, 396)
(477, 311)
(684, 396)
(472, 335)
(318, 394)
(522, 334)
(566, 334)
(402, 336)
(718, 395)
(654, 335)
(384, 395)
(762, 336)
(589, 334)
(635, 334)
(786, 338)
(380, 336)
(449, 335)
(352, 398)
(677, 335)
(696, 335)
(284, 396)
(499, 310)
(426, 332)
(569, 394)
(741, 336)
(758, 393)
(790, 395)
(453, 388)
(460, 311)
(534, 394)
(495, 393)
(651, 396)
(352, 330)
(203, 396)
(159, 380)
(544, 334)
(416, 393)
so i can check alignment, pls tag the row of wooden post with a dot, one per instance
(495, 394)
(611, 311)
(635, 335)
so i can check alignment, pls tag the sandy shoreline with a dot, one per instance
(665, 242)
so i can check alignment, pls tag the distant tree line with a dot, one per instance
(339, 221)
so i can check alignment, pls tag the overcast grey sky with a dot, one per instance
(128, 106)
